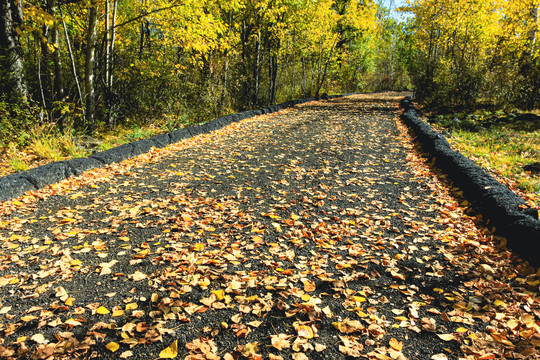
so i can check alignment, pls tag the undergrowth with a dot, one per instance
(502, 143)
(39, 144)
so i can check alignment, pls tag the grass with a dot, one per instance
(51, 145)
(44, 144)
(124, 135)
(17, 164)
(500, 143)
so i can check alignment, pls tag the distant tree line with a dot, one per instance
(94, 63)
(473, 52)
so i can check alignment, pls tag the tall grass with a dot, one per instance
(49, 144)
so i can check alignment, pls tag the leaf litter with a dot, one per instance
(313, 233)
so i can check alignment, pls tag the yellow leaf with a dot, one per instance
(294, 217)
(118, 313)
(112, 346)
(199, 247)
(154, 297)
(75, 196)
(461, 330)
(170, 352)
(396, 345)
(131, 306)
(102, 310)
(220, 294)
(499, 303)
(28, 318)
(359, 298)
(75, 262)
(203, 283)
(361, 314)
(69, 301)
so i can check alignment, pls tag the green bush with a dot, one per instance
(16, 121)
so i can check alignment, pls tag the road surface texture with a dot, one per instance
(317, 232)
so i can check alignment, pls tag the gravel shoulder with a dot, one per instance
(317, 232)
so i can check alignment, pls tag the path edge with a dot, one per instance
(15, 185)
(505, 210)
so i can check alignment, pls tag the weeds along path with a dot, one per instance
(312, 233)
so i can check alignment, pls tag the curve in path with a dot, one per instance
(314, 232)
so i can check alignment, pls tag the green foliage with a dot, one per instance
(16, 164)
(15, 122)
(497, 142)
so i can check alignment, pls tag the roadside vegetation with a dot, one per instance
(507, 144)
(44, 144)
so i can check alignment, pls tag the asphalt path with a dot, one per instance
(317, 232)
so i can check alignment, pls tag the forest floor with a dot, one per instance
(317, 232)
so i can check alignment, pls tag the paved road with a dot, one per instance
(315, 231)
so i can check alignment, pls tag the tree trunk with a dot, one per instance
(304, 76)
(273, 72)
(73, 64)
(113, 42)
(107, 41)
(89, 76)
(11, 54)
(257, 70)
(52, 67)
(245, 83)
(322, 77)
(110, 41)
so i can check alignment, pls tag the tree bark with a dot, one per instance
(113, 42)
(304, 76)
(73, 64)
(257, 70)
(89, 76)
(11, 53)
(323, 77)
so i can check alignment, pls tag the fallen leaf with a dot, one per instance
(169, 352)
(126, 354)
(446, 337)
(439, 357)
(38, 338)
(102, 310)
(280, 341)
(396, 345)
(112, 346)
(138, 276)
